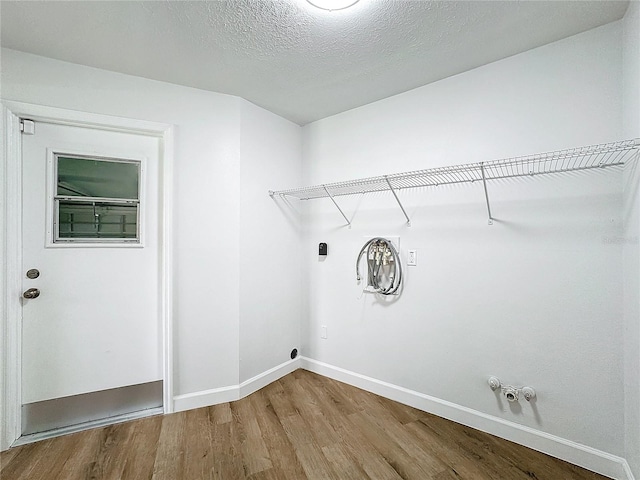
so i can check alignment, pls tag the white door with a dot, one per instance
(90, 229)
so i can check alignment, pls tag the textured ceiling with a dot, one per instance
(288, 56)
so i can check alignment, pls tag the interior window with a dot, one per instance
(96, 199)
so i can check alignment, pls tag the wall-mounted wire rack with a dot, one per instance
(589, 157)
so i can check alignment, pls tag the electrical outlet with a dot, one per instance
(323, 331)
(412, 258)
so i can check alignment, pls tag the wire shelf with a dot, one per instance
(560, 161)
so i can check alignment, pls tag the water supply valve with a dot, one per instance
(494, 383)
(529, 393)
(511, 393)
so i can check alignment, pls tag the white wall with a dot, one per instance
(535, 299)
(209, 145)
(270, 243)
(631, 211)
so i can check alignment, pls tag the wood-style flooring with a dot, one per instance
(303, 426)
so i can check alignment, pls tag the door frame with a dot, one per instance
(11, 245)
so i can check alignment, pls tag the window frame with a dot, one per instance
(53, 239)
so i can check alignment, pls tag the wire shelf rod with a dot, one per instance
(336, 204)
(486, 194)
(398, 200)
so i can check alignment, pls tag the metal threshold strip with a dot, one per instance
(561, 161)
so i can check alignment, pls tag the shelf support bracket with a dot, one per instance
(486, 193)
(336, 204)
(398, 200)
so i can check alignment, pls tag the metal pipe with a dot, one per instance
(398, 200)
(486, 193)
(336, 204)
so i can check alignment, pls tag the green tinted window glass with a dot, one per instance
(102, 220)
(85, 177)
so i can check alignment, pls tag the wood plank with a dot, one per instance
(142, 449)
(393, 453)
(51, 457)
(255, 455)
(341, 460)
(332, 390)
(281, 450)
(370, 459)
(6, 457)
(198, 454)
(404, 414)
(528, 460)
(459, 464)
(353, 443)
(221, 413)
(472, 445)
(227, 454)
(308, 452)
(27, 460)
(110, 456)
(309, 408)
(169, 458)
(396, 432)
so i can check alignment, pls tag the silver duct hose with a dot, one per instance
(376, 249)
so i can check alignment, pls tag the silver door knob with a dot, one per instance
(31, 293)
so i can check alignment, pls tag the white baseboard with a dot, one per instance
(205, 398)
(214, 396)
(265, 378)
(572, 452)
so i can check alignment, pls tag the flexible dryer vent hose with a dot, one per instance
(380, 252)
